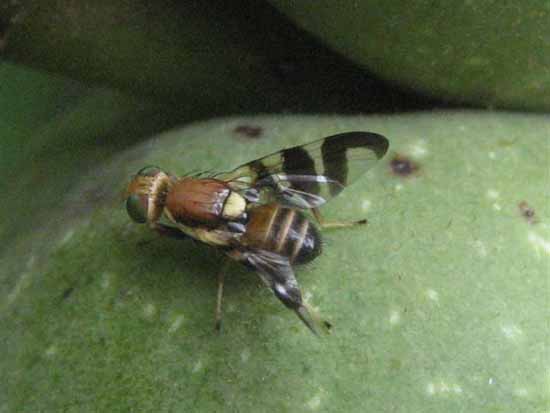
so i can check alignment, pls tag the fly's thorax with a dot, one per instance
(285, 231)
(208, 202)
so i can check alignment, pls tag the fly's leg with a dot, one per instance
(335, 224)
(221, 276)
(168, 231)
(165, 231)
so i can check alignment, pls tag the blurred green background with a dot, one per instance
(441, 305)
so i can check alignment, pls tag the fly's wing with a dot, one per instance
(309, 175)
(276, 273)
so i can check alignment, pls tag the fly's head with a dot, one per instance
(146, 195)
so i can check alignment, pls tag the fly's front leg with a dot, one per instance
(335, 224)
(165, 231)
(168, 231)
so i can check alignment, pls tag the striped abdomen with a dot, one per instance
(284, 231)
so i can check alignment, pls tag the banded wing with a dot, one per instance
(309, 175)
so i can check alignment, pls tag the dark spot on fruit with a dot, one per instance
(527, 212)
(403, 166)
(396, 364)
(67, 293)
(249, 131)
(505, 143)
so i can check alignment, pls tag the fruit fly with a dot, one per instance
(257, 213)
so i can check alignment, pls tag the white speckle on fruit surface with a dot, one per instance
(51, 351)
(197, 366)
(245, 355)
(67, 237)
(521, 392)
(443, 387)
(365, 205)
(496, 206)
(105, 280)
(511, 331)
(176, 324)
(315, 402)
(418, 150)
(149, 310)
(492, 194)
(538, 243)
(23, 282)
(491, 381)
(432, 295)
(30, 262)
(398, 187)
(492, 155)
(395, 317)
(480, 248)
(430, 389)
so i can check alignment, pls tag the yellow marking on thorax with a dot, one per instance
(234, 207)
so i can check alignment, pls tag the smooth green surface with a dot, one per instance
(440, 304)
(491, 53)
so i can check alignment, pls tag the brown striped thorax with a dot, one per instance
(257, 214)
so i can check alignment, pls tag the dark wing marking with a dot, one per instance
(277, 274)
(307, 176)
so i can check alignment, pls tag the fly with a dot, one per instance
(257, 213)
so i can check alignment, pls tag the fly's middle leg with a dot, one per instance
(335, 224)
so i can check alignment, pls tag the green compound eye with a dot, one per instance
(136, 206)
(149, 171)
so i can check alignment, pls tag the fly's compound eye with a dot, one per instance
(145, 186)
(149, 171)
(136, 206)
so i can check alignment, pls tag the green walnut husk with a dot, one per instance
(439, 304)
(488, 53)
(204, 58)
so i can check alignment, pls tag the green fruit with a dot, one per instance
(439, 304)
(203, 58)
(488, 53)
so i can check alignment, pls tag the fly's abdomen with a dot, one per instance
(284, 231)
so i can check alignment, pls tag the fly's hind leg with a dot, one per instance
(335, 224)
(221, 276)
